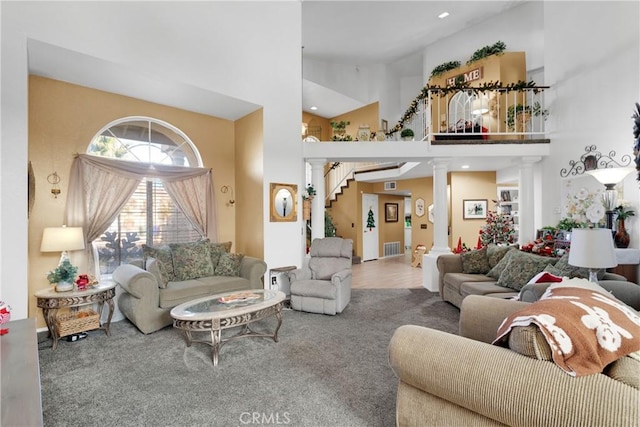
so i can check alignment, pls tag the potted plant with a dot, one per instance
(621, 237)
(518, 115)
(339, 129)
(63, 276)
(406, 134)
(309, 192)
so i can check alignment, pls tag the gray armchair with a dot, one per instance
(324, 286)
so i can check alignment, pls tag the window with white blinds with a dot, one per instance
(150, 217)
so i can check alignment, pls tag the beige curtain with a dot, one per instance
(99, 188)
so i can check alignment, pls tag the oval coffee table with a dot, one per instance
(222, 311)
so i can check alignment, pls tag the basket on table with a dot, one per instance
(76, 322)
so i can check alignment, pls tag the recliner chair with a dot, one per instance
(324, 286)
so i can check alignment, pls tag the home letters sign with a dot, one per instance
(470, 76)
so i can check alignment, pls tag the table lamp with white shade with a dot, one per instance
(592, 248)
(62, 239)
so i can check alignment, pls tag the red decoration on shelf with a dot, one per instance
(5, 316)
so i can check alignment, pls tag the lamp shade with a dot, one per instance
(610, 175)
(592, 248)
(59, 239)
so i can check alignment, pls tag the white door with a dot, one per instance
(370, 226)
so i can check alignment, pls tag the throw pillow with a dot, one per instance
(496, 252)
(522, 266)
(229, 264)
(496, 270)
(585, 330)
(545, 277)
(216, 250)
(191, 260)
(475, 262)
(164, 257)
(571, 271)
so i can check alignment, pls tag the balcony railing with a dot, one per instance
(475, 114)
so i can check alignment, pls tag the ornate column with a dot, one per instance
(317, 204)
(527, 230)
(440, 225)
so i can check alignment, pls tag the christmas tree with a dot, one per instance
(371, 223)
(498, 229)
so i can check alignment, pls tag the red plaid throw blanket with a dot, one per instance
(586, 330)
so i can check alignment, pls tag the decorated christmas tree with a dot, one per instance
(498, 229)
(371, 223)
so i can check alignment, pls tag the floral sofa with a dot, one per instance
(503, 271)
(180, 272)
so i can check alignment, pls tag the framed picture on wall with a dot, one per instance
(474, 209)
(390, 212)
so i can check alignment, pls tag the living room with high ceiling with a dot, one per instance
(237, 78)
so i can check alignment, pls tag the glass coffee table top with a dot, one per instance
(220, 305)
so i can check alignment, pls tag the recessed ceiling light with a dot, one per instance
(313, 108)
(443, 15)
(465, 166)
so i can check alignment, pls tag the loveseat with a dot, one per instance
(446, 379)
(177, 273)
(502, 271)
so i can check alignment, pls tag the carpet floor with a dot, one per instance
(324, 371)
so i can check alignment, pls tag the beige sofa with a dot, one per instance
(147, 304)
(455, 284)
(445, 379)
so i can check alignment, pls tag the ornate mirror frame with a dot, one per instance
(283, 206)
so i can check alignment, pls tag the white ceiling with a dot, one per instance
(367, 33)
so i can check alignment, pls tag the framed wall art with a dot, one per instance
(284, 202)
(474, 209)
(390, 212)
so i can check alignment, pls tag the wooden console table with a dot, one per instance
(20, 373)
(628, 260)
(50, 301)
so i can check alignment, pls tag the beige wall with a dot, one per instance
(367, 115)
(469, 186)
(317, 121)
(249, 227)
(63, 118)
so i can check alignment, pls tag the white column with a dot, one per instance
(317, 204)
(526, 200)
(440, 225)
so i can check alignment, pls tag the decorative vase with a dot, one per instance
(64, 286)
(621, 238)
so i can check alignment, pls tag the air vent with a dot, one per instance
(391, 185)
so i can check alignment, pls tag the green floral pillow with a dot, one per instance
(571, 271)
(497, 269)
(217, 249)
(475, 262)
(522, 266)
(191, 260)
(164, 258)
(229, 265)
(496, 252)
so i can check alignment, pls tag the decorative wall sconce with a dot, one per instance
(226, 189)
(54, 180)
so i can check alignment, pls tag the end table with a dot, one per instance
(50, 301)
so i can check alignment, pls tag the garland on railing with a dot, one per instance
(458, 86)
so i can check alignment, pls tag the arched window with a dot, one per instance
(150, 217)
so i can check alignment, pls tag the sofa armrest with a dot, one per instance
(299, 274)
(138, 282)
(627, 292)
(341, 276)
(447, 263)
(254, 270)
(505, 386)
(613, 276)
(480, 316)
